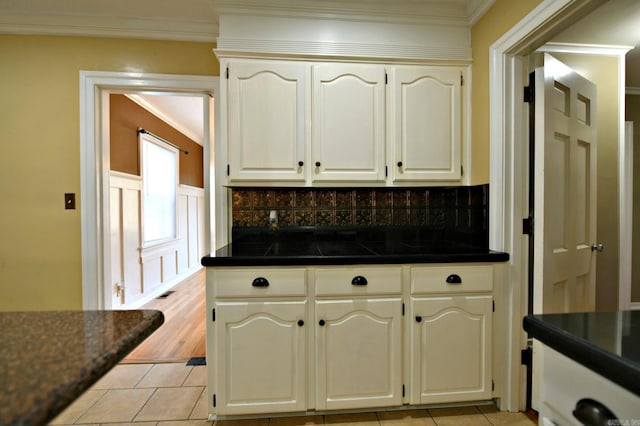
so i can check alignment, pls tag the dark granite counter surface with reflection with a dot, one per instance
(47, 359)
(607, 343)
(345, 246)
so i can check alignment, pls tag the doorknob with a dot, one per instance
(597, 247)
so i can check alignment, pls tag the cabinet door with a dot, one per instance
(451, 349)
(260, 357)
(358, 353)
(426, 123)
(348, 122)
(267, 114)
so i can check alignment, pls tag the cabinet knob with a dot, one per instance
(260, 282)
(321, 322)
(359, 280)
(300, 323)
(591, 412)
(300, 163)
(399, 163)
(418, 318)
(317, 164)
(454, 279)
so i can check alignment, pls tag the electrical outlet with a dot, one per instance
(70, 201)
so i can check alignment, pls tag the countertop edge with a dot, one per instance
(607, 364)
(49, 405)
(487, 257)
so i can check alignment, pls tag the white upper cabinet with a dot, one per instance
(348, 123)
(337, 123)
(266, 106)
(425, 123)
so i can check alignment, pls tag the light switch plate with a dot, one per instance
(70, 201)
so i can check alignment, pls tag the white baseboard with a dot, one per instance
(164, 287)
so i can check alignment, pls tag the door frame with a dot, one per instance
(95, 166)
(508, 75)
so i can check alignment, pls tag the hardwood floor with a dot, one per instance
(182, 335)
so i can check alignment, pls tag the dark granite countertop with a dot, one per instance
(47, 359)
(346, 246)
(607, 343)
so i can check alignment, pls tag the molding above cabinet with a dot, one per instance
(409, 31)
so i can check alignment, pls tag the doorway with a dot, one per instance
(508, 71)
(95, 167)
(156, 195)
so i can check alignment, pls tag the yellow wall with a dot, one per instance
(40, 262)
(603, 71)
(503, 15)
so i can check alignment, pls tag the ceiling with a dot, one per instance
(617, 22)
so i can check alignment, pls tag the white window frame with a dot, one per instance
(144, 138)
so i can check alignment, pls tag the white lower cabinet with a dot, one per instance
(347, 337)
(451, 333)
(358, 345)
(261, 357)
(451, 349)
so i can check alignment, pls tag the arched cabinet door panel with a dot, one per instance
(267, 120)
(261, 357)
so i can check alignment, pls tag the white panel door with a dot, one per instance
(260, 357)
(267, 118)
(426, 123)
(565, 203)
(348, 131)
(451, 349)
(358, 350)
(565, 197)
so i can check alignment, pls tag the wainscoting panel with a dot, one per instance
(140, 274)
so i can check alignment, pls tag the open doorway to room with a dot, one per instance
(156, 184)
(173, 261)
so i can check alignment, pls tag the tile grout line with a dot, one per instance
(133, 420)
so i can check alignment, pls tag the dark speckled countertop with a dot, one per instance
(345, 246)
(47, 359)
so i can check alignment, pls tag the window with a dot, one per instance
(159, 164)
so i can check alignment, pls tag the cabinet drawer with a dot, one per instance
(260, 282)
(451, 279)
(358, 281)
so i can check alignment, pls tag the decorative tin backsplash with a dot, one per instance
(461, 209)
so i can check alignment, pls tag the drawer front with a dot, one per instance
(452, 279)
(354, 281)
(260, 282)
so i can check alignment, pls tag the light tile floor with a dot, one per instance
(175, 394)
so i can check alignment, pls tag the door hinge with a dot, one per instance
(493, 385)
(403, 390)
(527, 226)
(493, 306)
(526, 355)
(403, 309)
(227, 73)
(386, 171)
(213, 315)
(214, 399)
(461, 170)
(228, 170)
(530, 90)
(386, 78)
(461, 80)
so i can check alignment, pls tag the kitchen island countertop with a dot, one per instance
(47, 359)
(607, 343)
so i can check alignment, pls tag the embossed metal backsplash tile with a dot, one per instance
(462, 209)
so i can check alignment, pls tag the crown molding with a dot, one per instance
(229, 47)
(452, 12)
(105, 26)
